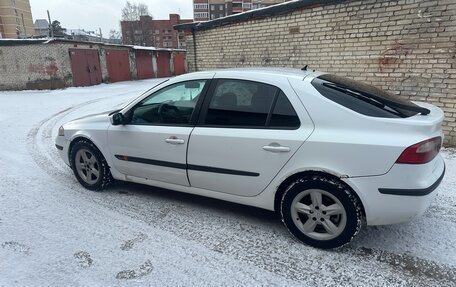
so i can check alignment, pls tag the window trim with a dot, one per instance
(210, 94)
(195, 114)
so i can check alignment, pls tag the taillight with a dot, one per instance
(421, 152)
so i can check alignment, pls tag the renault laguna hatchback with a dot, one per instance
(325, 151)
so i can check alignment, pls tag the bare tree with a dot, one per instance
(132, 11)
(114, 34)
(143, 10)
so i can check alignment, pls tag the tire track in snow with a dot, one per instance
(269, 249)
(411, 265)
(40, 136)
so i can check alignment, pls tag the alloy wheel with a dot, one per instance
(318, 214)
(87, 166)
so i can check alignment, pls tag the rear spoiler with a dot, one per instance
(414, 108)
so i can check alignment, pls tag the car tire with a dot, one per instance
(89, 166)
(321, 212)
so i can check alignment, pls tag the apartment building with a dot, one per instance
(204, 10)
(41, 27)
(155, 33)
(16, 19)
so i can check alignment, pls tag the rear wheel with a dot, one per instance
(89, 166)
(321, 212)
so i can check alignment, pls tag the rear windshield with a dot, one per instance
(363, 98)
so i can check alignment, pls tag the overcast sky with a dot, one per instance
(105, 14)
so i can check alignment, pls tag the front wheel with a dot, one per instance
(321, 212)
(89, 166)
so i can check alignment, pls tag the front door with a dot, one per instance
(153, 142)
(248, 131)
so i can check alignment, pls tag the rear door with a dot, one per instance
(247, 131)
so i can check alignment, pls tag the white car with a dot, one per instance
(327, 152)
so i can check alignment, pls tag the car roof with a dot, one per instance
(270, 71)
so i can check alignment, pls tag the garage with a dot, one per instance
(85, 67)
(144, 65)
(179, 63)
(118, 65)
(163, 64)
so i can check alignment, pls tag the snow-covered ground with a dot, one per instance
(53, 232)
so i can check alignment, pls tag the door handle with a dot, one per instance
(276, 149)
(173, 140)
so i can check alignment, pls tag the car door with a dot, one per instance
(152, 144)
(247, 132)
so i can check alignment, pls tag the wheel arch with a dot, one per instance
(78, 137)
(105, 179)
(307, 173)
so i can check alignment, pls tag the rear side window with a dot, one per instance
(240, 103)
(284, 114)
(363, 98)
(247, 104)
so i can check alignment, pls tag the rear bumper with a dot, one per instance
(405, 192)
(413, 191)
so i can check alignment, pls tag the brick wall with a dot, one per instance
(407, 47)
(48, 65)
(40, 66)
(34, 66)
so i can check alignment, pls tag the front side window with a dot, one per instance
(171, 105)
(238, 103)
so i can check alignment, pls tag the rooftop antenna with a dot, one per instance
(305, 68)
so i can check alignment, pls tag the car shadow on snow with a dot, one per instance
(232, 229)
(197, 202)
(405, 237)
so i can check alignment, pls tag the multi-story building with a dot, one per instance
(16, 19)
(41, 27)
(204, 10)
(156, 33)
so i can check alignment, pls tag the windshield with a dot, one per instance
(365, 99)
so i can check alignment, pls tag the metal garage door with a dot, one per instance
(163, 64)
(179, 63)
(85, 66)
(118, 62)
(144, 66)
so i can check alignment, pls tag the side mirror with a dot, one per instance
(117, 119)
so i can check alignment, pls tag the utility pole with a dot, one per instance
(101, 36)
(50, 25)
